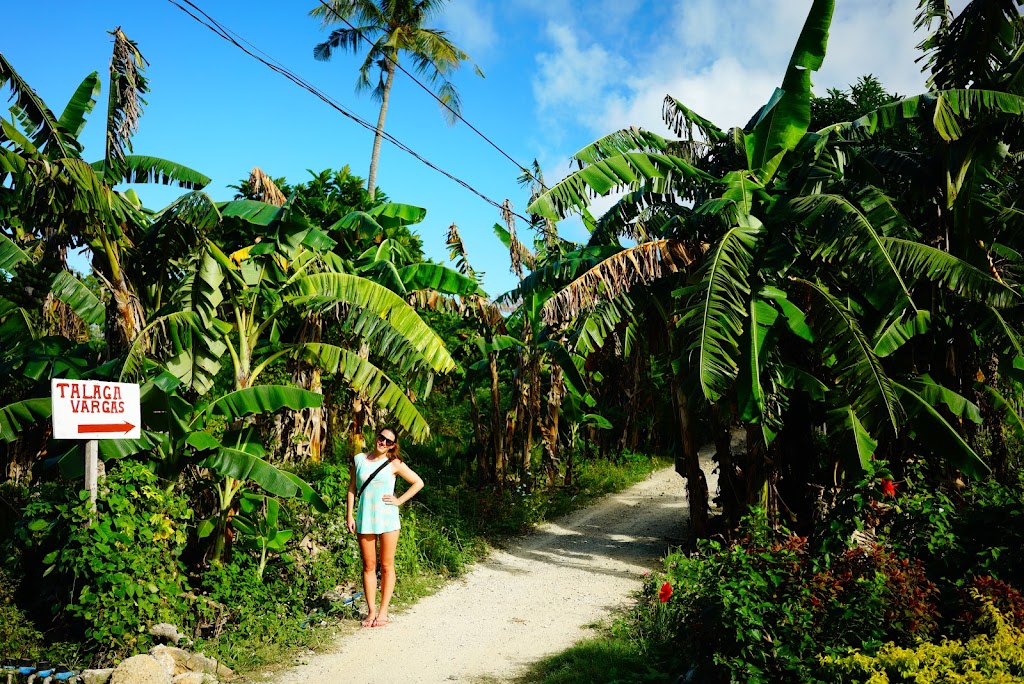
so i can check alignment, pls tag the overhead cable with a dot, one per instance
(235, 39)
(444, 104)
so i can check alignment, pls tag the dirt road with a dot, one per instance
(533, 599)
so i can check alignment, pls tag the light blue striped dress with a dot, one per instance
(373, 516)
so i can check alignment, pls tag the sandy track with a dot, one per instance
(533, 599)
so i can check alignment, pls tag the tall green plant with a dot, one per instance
(802, 277)
(392, 28)
(57, 200)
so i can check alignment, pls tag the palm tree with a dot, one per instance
(392, 27)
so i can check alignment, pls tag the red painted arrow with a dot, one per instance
(106, 427)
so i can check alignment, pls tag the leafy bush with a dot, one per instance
(990, 534)
(960, 531)
(1005, 598)
(870, 595)
(759, 610)
(248, 622)
(995, 657)
(18, 636)
(118, 572)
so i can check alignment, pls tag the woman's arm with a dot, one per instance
(350, 498)
(415, 485)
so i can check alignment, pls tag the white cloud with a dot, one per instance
(721, 59)
(574, 77)
(876, 38)
(471, 27)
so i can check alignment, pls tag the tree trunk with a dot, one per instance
(360, 410)
(755, 471)
(533, 415)
(631, 428)
(729, 482)
(371, 181)
(483, 471)
(696, 483)
(497, 424)
(128, 319)
(549, 428)
(304, 433)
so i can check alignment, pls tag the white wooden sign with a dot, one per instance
(90, 409)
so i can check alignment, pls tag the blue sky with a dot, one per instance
(558, 74)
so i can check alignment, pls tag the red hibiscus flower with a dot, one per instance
(888, 488)
(665, 593)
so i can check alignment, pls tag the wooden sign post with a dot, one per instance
(94, 410)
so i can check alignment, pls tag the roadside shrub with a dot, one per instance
(116, 573)
(959, 531)
(870, 596)
(18, 636)
(759, 610)
(12, 500)
(243, 612)
(740, 612)
(920, 520)
(990, 533)
(989, 658)
(1003, 597)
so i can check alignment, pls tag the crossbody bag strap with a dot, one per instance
(373, 475)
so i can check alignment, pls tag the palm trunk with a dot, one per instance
(125, 320)
(755, 471)
(371, 182)
(303, 433)
(628, 439)
(532, 416)
(518, 414)
(732, 499)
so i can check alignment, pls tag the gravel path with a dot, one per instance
(531, 600)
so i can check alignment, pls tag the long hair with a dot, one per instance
(394, 451)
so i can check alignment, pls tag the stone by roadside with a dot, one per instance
(162, 665)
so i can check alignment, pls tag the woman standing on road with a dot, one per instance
(376, 518)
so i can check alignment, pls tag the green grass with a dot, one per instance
(602, 660)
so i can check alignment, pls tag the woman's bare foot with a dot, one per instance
(369, 620)
(381, 620)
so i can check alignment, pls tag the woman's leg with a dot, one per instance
(388, 544)
(368, 550)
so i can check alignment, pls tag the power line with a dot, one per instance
(237, 40)
(431, 93)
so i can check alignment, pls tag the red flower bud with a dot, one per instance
(665, 593)
(888, 488)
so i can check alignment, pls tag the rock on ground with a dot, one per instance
(140, 669)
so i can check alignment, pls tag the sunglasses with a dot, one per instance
(382, 438)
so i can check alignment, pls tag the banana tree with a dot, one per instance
(392, 260)
(257, 521)
(798, 272)
(251, 300)
(195, 436)
(960, 186)
(52, 194)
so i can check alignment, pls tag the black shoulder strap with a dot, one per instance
(373, 475)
